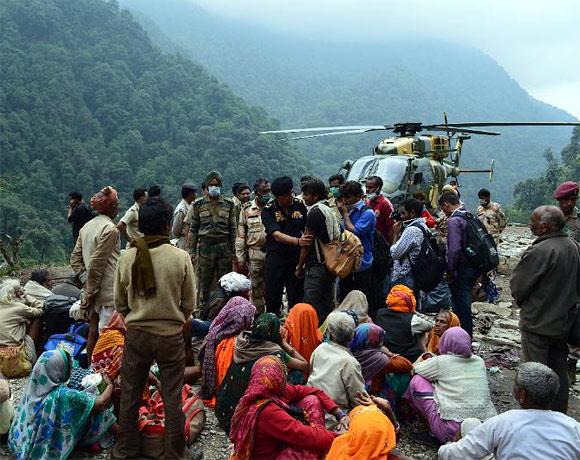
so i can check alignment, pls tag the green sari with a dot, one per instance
(52, 419)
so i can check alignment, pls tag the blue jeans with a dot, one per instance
(461, 295)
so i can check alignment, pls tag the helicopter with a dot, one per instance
(410, 162)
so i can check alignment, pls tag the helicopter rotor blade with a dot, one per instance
(477, 124)
(450, 129)
(328, 128)
(335, 133)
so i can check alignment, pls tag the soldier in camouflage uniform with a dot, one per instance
(491, 215)
(251, 241)
(212, 235)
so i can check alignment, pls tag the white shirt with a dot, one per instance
(520, 434)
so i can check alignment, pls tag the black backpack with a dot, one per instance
(480, 248)
(56, 318)
(430, 265)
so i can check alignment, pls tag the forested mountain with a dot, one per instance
(87, 100)
(315, 83)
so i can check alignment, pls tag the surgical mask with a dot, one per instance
(350, 207)
(335, 191)
(371, 196)
(213, 191)
(265, 198)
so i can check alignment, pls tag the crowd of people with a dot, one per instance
(298, 358)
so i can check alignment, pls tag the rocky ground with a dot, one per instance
(498, 343)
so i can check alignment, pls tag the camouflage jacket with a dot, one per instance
(251, 231)
(572, 227)
(214, 220)
(492, 217)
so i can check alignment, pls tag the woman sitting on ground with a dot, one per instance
(52, 419)
(301, 331)
(450, 387)
(217, 352)
(404, 329)
(264, 339)
(443, 321)
(534, 431)
(385, 374)
(20, 329)
(276, 420)
(333, 367)
(355, 303)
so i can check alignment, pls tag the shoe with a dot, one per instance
(426, 439)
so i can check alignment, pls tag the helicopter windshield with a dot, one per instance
(361, 169)
(393, 171)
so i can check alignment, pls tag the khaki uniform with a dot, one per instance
(212, 236)
(131, 221)
(493, 218)
(179, 225)
(250, 248)
(572, 227)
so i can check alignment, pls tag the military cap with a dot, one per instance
(566, 189)
(211, 176)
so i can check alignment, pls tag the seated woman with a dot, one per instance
(217, 351)
(20, 329)
(534, 431)
(450, 387)
(385, 374)
(404, 329)
(275, 420)
(301, 331)
(333, 367)
(443, 321)
(52, 419)
(263, 340)
(371, 435)
(355, 303)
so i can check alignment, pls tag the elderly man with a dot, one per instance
(94, 260)
(546, 286)
(547, 434)
(212, 235)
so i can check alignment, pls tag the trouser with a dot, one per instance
(279, 273)
(360, 281)
(420, 396)
(461, 295)
(213, 262)
(553, 353)
(318, 290)
(141, 349)
(438, 299)
(257, 258)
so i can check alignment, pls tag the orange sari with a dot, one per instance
(224, 356)
(302, 327)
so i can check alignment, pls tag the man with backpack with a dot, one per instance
(461, 274)
(322, 225)
(360, 220)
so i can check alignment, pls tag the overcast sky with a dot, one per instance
(536, 41)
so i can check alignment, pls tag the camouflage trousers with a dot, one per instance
(257, 257)
(213, 262)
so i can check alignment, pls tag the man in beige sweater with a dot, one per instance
(155, 293)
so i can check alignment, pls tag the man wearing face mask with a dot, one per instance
(381, 206)
(334, 183)
(408, 238)
(491, 215)
(251, 241)
(212, 236)
(546, 286)
(284, 219)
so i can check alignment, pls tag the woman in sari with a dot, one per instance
(275, 420)
(263, 340)
(443, 321)
(52, 419)
(217, 351)
(370, 436)
(449, 388)
(355, 304)
(385, 374)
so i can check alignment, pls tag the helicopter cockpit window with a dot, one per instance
(361, 169)
(393, 171)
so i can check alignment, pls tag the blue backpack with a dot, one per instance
(72, 341)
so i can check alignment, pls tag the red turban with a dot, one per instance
(104, 200)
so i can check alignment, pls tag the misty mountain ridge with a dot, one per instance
(307, 82)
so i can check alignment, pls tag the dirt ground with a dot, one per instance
(496, 334)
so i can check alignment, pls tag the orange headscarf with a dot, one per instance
(371, 436)
(402, 299)
(433, 345)
(302, 327)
